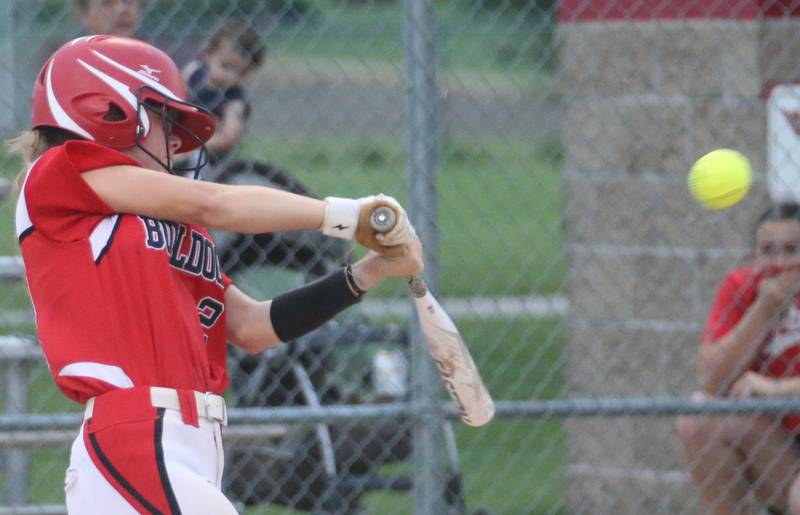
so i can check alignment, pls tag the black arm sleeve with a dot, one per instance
(300, 311)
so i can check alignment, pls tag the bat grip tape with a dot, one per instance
(304, 309)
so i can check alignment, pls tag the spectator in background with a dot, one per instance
(117, 17)
(751, 348)
(216, 81)
(114, 17)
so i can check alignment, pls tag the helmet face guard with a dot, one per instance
(172, 113)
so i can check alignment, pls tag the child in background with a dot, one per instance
(216, 81)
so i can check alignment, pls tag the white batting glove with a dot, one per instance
(341, 217)
(403, 232)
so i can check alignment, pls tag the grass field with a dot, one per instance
(466, 38)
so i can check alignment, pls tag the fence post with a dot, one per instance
(421, 174)
(7, 65)
(24, 54)
(17, 461)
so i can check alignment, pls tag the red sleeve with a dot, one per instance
(60, 203)
(226, 281)
(734, 297)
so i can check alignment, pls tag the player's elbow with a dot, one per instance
(248, 327)
(252, 344)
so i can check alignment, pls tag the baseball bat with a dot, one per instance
(452, 357)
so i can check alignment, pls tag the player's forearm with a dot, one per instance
(366, 273)
(255, 209)
(722, 362)
(230, 129)
(788, 387)
(255, 326)
(224, 141)
(248, 209)
(217, 144)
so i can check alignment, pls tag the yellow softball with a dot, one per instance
(720, 178)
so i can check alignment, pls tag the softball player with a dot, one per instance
(132, 310)
(751, 348)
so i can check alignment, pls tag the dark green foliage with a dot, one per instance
(47, 11)
(278, 10)
(535, 8)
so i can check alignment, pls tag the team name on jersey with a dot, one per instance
(200, 259)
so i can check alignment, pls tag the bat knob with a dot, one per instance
(383, 218)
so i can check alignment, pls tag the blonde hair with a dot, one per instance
(29, 145)
(25, 146)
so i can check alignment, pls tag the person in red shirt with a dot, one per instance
(132, 310)
(751, 347)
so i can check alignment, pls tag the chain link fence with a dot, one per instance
(541, 148)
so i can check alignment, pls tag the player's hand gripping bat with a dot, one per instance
(461, 376)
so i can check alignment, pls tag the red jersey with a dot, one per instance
(780, 355)
(120, 300)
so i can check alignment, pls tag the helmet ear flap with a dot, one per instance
(100, 110)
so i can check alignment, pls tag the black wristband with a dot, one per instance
(300, 311)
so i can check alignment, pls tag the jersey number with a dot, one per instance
(209, 310)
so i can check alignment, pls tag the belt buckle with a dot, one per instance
(216, 411)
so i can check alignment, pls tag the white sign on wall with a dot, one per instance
(783, 143)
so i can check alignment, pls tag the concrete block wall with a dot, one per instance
(643, 99)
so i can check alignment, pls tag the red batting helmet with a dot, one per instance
(90, 77)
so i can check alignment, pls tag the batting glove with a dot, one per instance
(350, 218)
(402, 233)
(341, 217)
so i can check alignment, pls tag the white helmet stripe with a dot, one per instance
(62, 118)
(147, 80)
(123, 90)
(78, 40)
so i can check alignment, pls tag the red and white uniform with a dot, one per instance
(780, 355)
(122, 303)
(120, 300)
